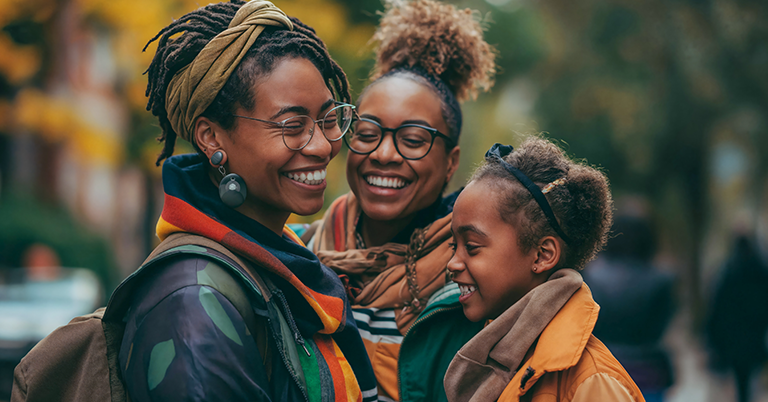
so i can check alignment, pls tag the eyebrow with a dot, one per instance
(289, 109)
(327, 104)
(471, 228)
(377, 120)
(371, 117)
(419, 122)
(300, 109)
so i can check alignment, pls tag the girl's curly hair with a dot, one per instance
(582, 205)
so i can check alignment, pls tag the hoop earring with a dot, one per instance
(232, 188)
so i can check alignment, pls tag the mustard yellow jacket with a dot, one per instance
(568, 364)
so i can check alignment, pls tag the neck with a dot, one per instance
(271, 218)
(376, 233)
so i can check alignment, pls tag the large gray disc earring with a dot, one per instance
(232, 189)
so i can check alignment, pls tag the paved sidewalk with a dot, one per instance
(695, 382)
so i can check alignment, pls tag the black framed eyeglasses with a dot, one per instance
(297, 131)
(412, 141)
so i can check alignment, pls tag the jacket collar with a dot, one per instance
(485, 366)
(562, 342)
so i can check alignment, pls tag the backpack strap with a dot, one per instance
(257, 324)
(183, 239)
(230, 277)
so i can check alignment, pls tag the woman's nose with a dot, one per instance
(318, 145)
(386, 152)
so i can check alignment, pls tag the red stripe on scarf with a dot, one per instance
(325, 345)
(339, 210)
(188, 218)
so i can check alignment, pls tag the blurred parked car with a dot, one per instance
(30, 309)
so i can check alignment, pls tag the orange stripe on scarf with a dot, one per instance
(326, 307)
(339, 367)
(293, 236)
(353, 389)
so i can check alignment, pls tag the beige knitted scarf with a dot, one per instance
(397, 276)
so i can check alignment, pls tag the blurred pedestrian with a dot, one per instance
(41, 262)
(636, 304)
(738, 320)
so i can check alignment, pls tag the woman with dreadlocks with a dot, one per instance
(389, 238)
(258, 96)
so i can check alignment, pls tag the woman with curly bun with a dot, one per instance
(388, 238)
(264, 105)
(527, 222)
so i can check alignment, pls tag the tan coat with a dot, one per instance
(568, 364)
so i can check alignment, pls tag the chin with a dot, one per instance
(380, 212)
(308, 208)
(472, 315)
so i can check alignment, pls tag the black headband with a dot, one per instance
(497, 153)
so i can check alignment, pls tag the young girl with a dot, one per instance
(527, 221)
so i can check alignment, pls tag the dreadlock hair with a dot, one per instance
(582, 205)
(199, 27)
(438, 46)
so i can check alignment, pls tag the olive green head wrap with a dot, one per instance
(195, 86)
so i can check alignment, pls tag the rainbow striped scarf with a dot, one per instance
(314, 293)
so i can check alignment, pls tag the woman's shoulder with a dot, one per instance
(182, 332)
(173, 275)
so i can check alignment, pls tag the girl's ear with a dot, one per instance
(547, 255)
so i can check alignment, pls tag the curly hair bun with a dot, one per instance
(583, 204)
(443, 40)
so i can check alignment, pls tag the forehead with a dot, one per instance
(397, 99)
(293, 81)
(478, 204)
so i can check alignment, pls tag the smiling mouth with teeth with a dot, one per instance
(311, 178)
(387, 182)
(467, 289)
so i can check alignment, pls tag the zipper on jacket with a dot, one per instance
(277, 336)
(292, 323)
(285, 361)
(418, 320)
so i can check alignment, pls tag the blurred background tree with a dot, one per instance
(669, 97)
